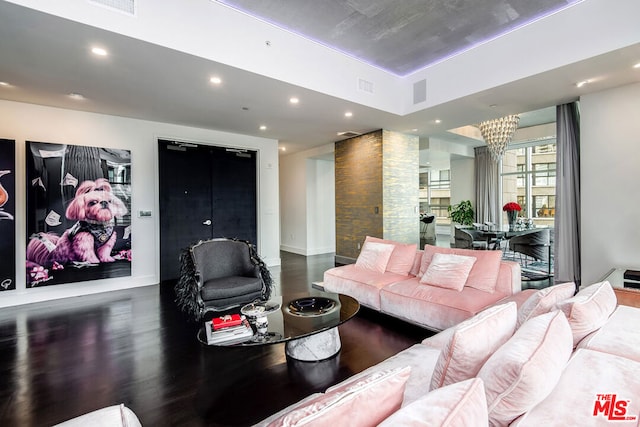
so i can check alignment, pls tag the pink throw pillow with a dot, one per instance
(461, 404)
(374, 256)
(589, 309)
(483, 275)
(523, 372)
(544, 300)
(448, 271)
(364, 403)
(402, 257)
(471, 344)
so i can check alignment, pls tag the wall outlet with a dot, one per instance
(144, 214)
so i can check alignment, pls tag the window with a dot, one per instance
(529, 178)
(544, 174)
(545, 206)
(439, 206)
(440, 179)
(435, 193)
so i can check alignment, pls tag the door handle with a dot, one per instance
(207, 222)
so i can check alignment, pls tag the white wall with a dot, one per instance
(26, 122)
(463, 181)
(462, 185)
(293, 204)
(321, 207)
(307, 206)
(610, 181)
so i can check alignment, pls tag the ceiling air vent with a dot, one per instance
(124, 6)
(365, 86)
(420, 91)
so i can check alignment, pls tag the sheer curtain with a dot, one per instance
(487, 176)
(567, 221)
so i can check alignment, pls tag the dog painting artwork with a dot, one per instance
(7, 213)
(78, 213)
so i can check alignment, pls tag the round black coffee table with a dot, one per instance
(306, 322)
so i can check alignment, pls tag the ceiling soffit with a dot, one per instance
(400, 37)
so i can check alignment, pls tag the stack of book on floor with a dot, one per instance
(228, 330)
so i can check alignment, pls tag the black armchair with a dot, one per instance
(220, 274)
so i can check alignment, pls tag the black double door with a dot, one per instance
(205, 192)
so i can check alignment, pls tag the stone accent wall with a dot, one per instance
(377, 190)
(358, 186)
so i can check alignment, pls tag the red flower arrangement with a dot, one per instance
(511, 206)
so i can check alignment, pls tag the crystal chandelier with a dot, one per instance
(497, 134)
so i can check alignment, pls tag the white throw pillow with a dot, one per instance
(375, 256)
(448, 271)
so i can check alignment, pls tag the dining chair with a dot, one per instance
(535, 245)
(467, 239)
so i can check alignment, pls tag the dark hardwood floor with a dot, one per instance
(63, 358)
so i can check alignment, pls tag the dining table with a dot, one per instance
(494, 237)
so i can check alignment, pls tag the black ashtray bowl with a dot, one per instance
(311, 306)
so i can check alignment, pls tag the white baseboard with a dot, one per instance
(293, 249)
(307, 252)
(49, 293)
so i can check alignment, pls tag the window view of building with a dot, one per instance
(529, 178)
(435, 194)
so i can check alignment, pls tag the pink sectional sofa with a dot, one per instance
(547, 358)
(435, 288)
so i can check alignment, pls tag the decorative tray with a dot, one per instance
(260, 308)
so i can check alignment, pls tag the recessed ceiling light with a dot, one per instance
(76, 96)
(263, 127)
(283, 148)
(4, 84)
(637, 65)
(294, 100)
(414, 130)
(99, 51)
(582, 83)
(438, 121)
(348, 114)
(215, 80)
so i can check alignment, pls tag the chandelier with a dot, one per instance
(497, 134)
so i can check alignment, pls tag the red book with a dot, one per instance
(226, 321)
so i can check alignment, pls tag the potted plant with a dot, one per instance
(462, 213)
